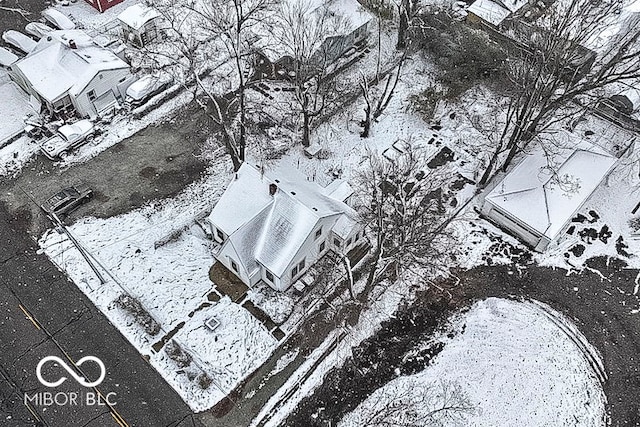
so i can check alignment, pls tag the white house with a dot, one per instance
(535, 204)
(275, 229)
(67, 69)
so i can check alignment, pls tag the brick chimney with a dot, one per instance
(72, 44)
(272, 189)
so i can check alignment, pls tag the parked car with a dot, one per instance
(7, 57)
(58, 19)
(19, 40)
(67, 200)
(37, 29)
(145, 87)
(67, 138)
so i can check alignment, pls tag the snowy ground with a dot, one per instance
(331, 353)
(513, 364)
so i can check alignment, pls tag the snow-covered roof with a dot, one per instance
(339, 190)
(54, 68)
(489, 11)
(270, 229)
(544, 201)
(137, 15)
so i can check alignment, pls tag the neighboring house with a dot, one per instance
(343, 23)
(273, 230)
(102, 5)
(141, 25)
(494, 12)
(68, 70)
(532, 204)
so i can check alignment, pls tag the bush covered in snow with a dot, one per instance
(132, 306)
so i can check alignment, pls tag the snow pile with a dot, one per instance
(515, 367)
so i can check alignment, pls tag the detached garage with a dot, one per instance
(535, 205)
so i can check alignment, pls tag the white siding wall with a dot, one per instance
(103, 82)
(226, 255)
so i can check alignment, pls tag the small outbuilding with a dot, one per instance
(535, 203)
(141, 25)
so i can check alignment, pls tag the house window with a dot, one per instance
(337, 242)
(268, 275)
(321, 248)
(219, 234)
(348, 242)
(91, 95)
(294, 271)
(302, 264)
(234, 266)
(318, 232)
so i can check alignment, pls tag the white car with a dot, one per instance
(67, 138)
(58, 19)
(19, 40)
(7, 58)
(37, 29)
(145, 87)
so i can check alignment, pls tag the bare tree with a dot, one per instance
(416, 404)
(403, 204)
(217, 35)
(306, 35)
(376, 104)
(550, 67)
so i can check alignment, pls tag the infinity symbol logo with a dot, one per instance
(82, 381)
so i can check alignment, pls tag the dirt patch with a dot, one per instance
(397, 349)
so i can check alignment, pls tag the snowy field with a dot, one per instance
(512, 363)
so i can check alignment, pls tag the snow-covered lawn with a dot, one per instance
(513, 364)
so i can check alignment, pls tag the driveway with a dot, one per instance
(155, 163)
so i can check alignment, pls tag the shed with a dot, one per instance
(141, 25)
(535, 205)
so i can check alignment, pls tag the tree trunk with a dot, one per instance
(403, 26)
(487, 172)
(306, 128)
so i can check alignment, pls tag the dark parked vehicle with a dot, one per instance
(67, 200)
